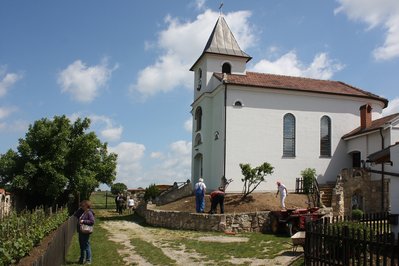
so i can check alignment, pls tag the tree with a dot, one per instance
(118, 188)
(55, 159)
(308, 175)
(151, 192)
(254, 176)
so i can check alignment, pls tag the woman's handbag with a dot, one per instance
(86, 229)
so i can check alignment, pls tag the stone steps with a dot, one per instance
(326, 196)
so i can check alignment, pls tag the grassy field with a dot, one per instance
(103, 200)
(159, 246)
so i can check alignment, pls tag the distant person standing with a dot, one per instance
(283, 193)
(130, 204)
(116, 202)
(217, 197)
(199, 190)
(121, 203)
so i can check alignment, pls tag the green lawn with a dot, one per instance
(104, 252)
(103, 200)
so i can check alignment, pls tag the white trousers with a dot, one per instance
(282, 198)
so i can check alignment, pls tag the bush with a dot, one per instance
(151, 192)
(308, 175)
(357, 214)
(254, 176)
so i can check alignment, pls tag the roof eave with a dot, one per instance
(205, 52)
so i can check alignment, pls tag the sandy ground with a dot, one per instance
(122, 231)
(255, 202)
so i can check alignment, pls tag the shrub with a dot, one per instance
(308, 175)
(357, 214)
(254, 176)
(118, 188)
(151, 192)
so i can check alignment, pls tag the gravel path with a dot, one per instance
(123, 231)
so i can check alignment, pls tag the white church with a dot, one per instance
(291, 122)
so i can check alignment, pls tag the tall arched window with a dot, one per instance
(198, 118)
(226, 68)
(199, 81)
(289, 135)
(325, 136)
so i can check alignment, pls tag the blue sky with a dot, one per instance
(125, 64)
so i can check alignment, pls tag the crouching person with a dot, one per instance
(217, 197)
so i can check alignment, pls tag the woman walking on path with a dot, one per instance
(86, 219)
(200, 190)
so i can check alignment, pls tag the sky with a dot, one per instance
(125, 65)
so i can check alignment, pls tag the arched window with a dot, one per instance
(325, 136)
(199, 81)
(289, 135)
(198, 118)
(226, 68)
(198, 140)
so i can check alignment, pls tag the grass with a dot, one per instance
(151, 253)
(104, 251)
(261, 246)
(103, 200)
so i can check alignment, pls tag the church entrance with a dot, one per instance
(198, 162)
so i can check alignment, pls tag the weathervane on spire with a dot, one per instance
(220, 8)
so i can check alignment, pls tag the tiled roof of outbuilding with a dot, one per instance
(376, 124)
(263, 80)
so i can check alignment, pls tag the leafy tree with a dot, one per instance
(118, 188)
(57, 158)
(254, 176)
(308, 175)
(151, 192)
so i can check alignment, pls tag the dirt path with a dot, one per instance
(123, 231)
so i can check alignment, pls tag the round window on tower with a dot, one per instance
(238, 104)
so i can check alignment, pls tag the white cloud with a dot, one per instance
(322, 67)
(83, 82)
(188, 125)
(102, 124)
(393, 107)
(7, 80)
(112, 134)
(180, 44)
(382, 13)
(156, 155)
(6, 111)
(200, 4)
(16, 126)
(129, 161)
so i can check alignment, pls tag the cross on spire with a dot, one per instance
(220, 8)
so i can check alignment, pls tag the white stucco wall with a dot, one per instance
(212, 149)
(254, 133)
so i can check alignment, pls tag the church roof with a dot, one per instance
(222, 41)
(263, 80)
(376, 124)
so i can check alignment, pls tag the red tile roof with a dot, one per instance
(376, 124)
(264, 80)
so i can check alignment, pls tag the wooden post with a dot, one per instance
(106, 199)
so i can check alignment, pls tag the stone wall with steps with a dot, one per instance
(238, 222)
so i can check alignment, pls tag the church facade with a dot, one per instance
(291, 122)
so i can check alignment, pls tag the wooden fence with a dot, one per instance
(343, 241)
(300, 187)
(57, 249)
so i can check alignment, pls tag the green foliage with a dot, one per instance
(357, 214)
(118, 188)
(308, 175)
(151, 192)
(57, 158)
(254, 176)
(20, 233)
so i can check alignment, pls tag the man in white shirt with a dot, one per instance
(283, 193)
(199, 191)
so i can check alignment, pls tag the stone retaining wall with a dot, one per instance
(239, 222)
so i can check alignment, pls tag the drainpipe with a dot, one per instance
(382, 172)
(225, 123)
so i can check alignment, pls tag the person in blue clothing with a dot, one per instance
(199, 190)
(85, 216)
